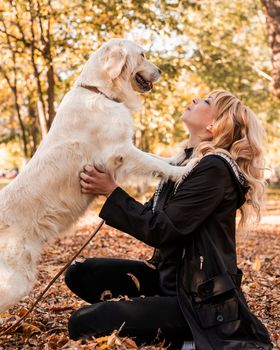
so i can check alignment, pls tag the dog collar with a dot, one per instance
(95, 89)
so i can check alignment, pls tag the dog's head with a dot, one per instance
(126, 61)
(120, 69)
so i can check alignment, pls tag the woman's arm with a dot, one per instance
(194, 201)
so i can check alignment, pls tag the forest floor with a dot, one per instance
(46, 328)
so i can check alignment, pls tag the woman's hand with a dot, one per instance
(96, 181)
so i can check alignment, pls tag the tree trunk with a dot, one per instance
(50, 92)
(272, 12)
(41, 103)
(33, 128)
(22, 127)
(13, 86)
(42, 119)
(50, 73)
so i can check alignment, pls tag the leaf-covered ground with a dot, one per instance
(46, 328)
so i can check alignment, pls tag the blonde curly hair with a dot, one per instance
(237, 132)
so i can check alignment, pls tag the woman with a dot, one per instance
(192, 289)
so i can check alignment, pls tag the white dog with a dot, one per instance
(93, 125)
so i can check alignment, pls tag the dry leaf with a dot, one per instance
(57, 341)
(130, 343)
(135, 280)
(29, 329)
(111, 339)
(257, 264)
(118, 341)
(119, 298)
(22, 312)
(260, 283)
(150, 265)
(106, 294)
(61, 307)
(102, 339)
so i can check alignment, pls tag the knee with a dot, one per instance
(83, 279)
(71, 276)
(89, 321)
(75, 325)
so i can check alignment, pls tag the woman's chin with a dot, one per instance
(185, 119)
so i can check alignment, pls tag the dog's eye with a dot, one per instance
(142, 54)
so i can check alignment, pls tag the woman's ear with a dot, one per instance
(114, 60)
(209, 128)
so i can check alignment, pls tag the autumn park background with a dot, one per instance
(199, 46)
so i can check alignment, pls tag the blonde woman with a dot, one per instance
(192, 289)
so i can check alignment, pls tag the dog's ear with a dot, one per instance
(115, 58)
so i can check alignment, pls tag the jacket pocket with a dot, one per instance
(203, 290)
(223, 316)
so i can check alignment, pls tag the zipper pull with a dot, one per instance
(201, 258)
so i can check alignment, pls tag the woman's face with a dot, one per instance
(198, 116)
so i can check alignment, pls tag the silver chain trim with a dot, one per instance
(238, 173)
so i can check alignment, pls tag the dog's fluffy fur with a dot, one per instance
(45, 199)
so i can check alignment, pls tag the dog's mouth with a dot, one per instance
(145, 85)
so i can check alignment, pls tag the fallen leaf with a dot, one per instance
(257, 264)
(29, 329)
(107, 294)
(61, 307)
(56, 341)
(130, 343)
(150, 265)
(135, 280)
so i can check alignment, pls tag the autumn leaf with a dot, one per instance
(29, 329)
(135, 280)
(107, 294)
(56, 341)
(62, 307)
(257, 264)
(130, 343)
(150, 265)
(261, 286)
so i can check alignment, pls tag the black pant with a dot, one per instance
(148, 316)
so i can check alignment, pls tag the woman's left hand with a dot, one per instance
(96, 181)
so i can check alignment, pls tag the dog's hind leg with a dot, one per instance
(17, 269)
(13, 287)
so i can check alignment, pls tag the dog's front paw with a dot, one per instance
(179, 174)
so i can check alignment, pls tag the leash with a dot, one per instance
(17, 324)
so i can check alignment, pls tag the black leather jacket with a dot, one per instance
(195, 229)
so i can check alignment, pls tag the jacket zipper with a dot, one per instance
(201, 259)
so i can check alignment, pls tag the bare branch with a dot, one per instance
(40, 22)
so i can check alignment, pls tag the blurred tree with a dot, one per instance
(272, 12)
(199, 46)
(43, 44)
(216, 44)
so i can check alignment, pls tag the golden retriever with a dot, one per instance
(93, 124)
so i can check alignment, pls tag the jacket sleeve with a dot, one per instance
(195, 200)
